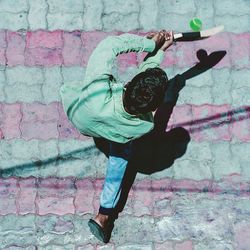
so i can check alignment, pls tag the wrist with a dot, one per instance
(163, 48)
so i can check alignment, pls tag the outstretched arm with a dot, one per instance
(154, 59)
(101, 61)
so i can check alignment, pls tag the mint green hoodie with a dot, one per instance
(95, 106)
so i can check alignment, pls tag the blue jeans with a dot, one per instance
(119, 155)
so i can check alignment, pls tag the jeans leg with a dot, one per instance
(117, 163)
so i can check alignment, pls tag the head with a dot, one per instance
(145, 92)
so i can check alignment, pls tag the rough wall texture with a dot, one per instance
(51, 176)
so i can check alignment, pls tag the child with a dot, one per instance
(101, 107)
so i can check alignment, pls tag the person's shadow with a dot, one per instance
(159, 149)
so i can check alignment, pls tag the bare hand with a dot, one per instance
(169, 37)
(151, 34)
(158, 37)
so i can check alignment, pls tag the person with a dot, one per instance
(101, 107)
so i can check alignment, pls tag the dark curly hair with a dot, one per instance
(146, 91)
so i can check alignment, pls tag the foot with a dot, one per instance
(101, 227)
(102, 220)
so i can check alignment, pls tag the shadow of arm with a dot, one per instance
(163, 113)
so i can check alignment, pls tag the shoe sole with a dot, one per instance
(97, 231)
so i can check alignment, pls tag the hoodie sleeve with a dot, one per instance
(152, 61)
(102, 59)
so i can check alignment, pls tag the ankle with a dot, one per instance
(102, 219)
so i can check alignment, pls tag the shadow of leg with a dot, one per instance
(156, 152)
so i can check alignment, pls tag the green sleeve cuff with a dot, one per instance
(149, 45)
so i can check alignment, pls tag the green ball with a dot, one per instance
(195, 24)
